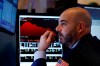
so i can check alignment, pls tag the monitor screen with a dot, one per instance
(1, 7)
(31, 27)
(95, 14)
(8, 10)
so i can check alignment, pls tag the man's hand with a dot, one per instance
(46, 39)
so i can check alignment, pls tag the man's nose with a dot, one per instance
(58, 28)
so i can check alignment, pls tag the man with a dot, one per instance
(79, 47)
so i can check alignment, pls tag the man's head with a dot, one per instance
(74, 23)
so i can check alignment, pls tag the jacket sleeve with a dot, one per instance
(39, 62)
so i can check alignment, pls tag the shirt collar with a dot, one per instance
(74, 45)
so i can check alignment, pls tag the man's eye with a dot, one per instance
(63, 23)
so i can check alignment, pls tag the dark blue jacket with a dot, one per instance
(86, 53)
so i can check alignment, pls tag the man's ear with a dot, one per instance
(81, 27)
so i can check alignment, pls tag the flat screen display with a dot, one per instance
(1, 6)
(31, 27)
(8, 9)
(95, 14)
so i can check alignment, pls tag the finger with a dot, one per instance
(46, 34)
(50, 37)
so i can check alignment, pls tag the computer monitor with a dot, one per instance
(8, 9)
(31, 27)
(93, 7)
(0, 9)
(95, 14)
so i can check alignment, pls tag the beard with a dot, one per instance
(68, 38)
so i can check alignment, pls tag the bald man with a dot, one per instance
(80, 48)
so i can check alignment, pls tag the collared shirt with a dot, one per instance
(74, 45)
(42, 54)
(39, 54)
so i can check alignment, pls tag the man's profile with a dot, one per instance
(80, 48)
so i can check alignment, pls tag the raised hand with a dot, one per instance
(46, 39)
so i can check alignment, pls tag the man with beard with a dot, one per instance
(80, 48)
